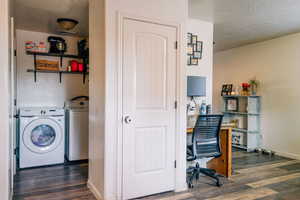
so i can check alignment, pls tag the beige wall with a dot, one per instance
(97, 97)
(204, 30)
(47, 91)
(276, 64)
(166, 10)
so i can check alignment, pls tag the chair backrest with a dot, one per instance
(206, 136)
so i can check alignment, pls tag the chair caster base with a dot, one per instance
(219, 184)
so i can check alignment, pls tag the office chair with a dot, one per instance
(205, 144)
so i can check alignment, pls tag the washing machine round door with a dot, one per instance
(42, 135)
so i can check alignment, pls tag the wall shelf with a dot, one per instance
(239, 113)
(240, 96)
(242, 130)
(61, 56)
(53, 55)
(239, 146)
(56, 72)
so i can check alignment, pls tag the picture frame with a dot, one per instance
(226, 89)
(194, 39)
(190, 49)
(229, 89)
(232, 104)
(189, 38)
(189, 60)
(197, 54)
(194, 61)
(194, 47)
(199, 46)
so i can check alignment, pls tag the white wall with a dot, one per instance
(47, 91)
(166, 10)
(97, 97)
(204, 30)
(276, 64)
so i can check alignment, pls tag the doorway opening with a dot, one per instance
(50, 98)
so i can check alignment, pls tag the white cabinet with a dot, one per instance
(246, 134)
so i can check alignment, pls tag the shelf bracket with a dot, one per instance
(61, 61)
(35, 76)
(84, 77)
(60, 74)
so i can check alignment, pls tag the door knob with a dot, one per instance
(127, 120)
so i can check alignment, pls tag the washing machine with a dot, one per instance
(42, 137)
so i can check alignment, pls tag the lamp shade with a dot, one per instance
(196, 86)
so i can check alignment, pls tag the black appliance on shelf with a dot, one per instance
(57, 45)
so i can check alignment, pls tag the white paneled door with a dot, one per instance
(149, 73)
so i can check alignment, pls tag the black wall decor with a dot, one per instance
(194, 49)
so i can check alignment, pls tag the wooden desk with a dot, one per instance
(223, 164)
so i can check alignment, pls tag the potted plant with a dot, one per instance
(253, 86)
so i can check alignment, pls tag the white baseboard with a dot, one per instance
(288, 155)
(94, 190)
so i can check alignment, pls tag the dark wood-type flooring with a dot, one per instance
(255, 177)
(53, 183)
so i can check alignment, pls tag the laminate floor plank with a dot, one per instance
(246, 195)
(60, 182)
(252, 168)
(274, 180)
(255, 177)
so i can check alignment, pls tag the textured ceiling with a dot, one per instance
(41, 15)
(241, 22)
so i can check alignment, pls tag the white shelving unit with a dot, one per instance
(247, 134)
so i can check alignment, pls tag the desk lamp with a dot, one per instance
(196, 87)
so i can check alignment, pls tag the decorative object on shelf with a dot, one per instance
(83, 48)
(80, 67)
(234, 91)
(208, 109)
(254, 83)
(57, 45)
(245, 89)
(47, 65)
(83, 51)
(74, 65)
(194, 49)
(29, 46)
(203, 108)
(226, 89)
(235, 123)
(232, 104)
(34, 47)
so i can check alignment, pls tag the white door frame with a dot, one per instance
(4, 101)
(180, 136)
